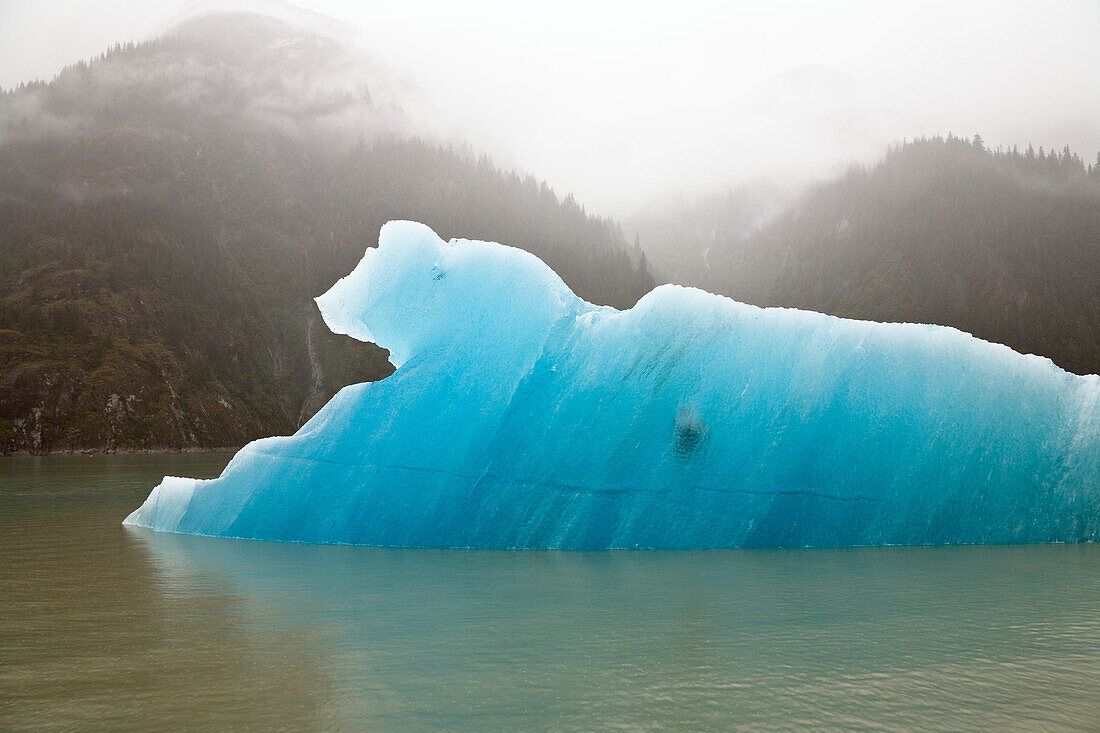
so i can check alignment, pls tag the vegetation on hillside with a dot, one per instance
(1003, 244)
(168, 212)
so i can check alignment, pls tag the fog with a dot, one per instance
(623, 103)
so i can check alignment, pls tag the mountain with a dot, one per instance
(1002, 244)
(168, 211)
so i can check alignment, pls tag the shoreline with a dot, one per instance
(119, 451)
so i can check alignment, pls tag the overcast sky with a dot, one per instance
(621, 102)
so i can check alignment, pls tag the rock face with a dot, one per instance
(520, 416)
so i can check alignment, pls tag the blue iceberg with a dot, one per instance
(520, 416)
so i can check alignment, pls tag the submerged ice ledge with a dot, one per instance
(521, 416)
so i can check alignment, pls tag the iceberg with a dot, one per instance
(520, 416)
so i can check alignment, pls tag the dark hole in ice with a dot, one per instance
(691, 431)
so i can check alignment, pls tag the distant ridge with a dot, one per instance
(1003, 244)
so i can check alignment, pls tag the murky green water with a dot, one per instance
(101, 626)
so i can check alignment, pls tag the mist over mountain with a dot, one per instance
(168, 211)
(1003, 244)
(621, 105)
(234, 69)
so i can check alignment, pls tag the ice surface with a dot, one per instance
(523, 417)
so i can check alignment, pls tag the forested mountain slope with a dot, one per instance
(168, 212)
(1001, 244)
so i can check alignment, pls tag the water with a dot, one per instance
(104, 626)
